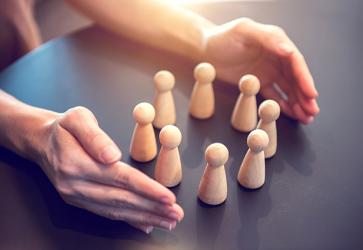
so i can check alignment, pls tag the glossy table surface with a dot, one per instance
(312, 197)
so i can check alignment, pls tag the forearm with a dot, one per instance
(21, 126)
(158, 23)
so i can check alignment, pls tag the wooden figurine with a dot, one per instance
(164, 101)
(244, 116)
(213, 184)
(168, 169)
(143, 146)
(269, 112)
(252, 170)
(201, 104)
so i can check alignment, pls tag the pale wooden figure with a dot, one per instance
(244, 116)
(269, 112)
(143, 146)
(168, 169)
(213, 184)
(201, 105)
(164, 101)
(252, 170)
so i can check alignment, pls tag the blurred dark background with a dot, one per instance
(25, 24)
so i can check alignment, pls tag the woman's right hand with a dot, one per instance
(83, 164)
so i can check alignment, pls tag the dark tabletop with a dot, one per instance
(312, 197)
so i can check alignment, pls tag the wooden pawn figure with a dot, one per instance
(165, 114)
(252, 170)
(269, 112)
(168, 169)
(213, 184)
(143, 147)
(244, 116)
(201, 105)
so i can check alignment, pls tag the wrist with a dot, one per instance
(203, 29)
(26, 130)
(35, 141)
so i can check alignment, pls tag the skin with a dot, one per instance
(85, 165)
(269, 54)
(235, 48)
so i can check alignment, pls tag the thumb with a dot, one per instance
(82, 124)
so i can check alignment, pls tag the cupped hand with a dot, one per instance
(244, 46)
(83, 164)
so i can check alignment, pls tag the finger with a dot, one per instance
(301, 115)
(275, 40)
(296, 69)
(309, 105)
(116, 197)
(302, 75)
(295, 106)
(122, 175)
(132, 179)
(124, 214)
(145, 228)
(81, 123)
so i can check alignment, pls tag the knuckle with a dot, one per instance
(122, 203)
(64, 190)
(277, 30)
(147, 217)
(78, 112)
(243, 22)
(66, 170)
(122, 179)
(113, 214)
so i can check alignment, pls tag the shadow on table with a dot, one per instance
(209, 219)
(294, 150)
(65, 216)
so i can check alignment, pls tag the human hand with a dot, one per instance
(83, 164)
(244, 46)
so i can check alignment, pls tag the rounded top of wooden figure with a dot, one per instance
(204, 73)
(170, 136)
(164, 81)
(269, 111)
(257, 140)
(144, 113)
(249, 85)
(216, 154)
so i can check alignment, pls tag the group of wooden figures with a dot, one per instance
(261, 141)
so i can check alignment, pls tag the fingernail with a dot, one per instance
(110, 153)
(166, 225)
(149, 229)
(174, 216)
(285, 48)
